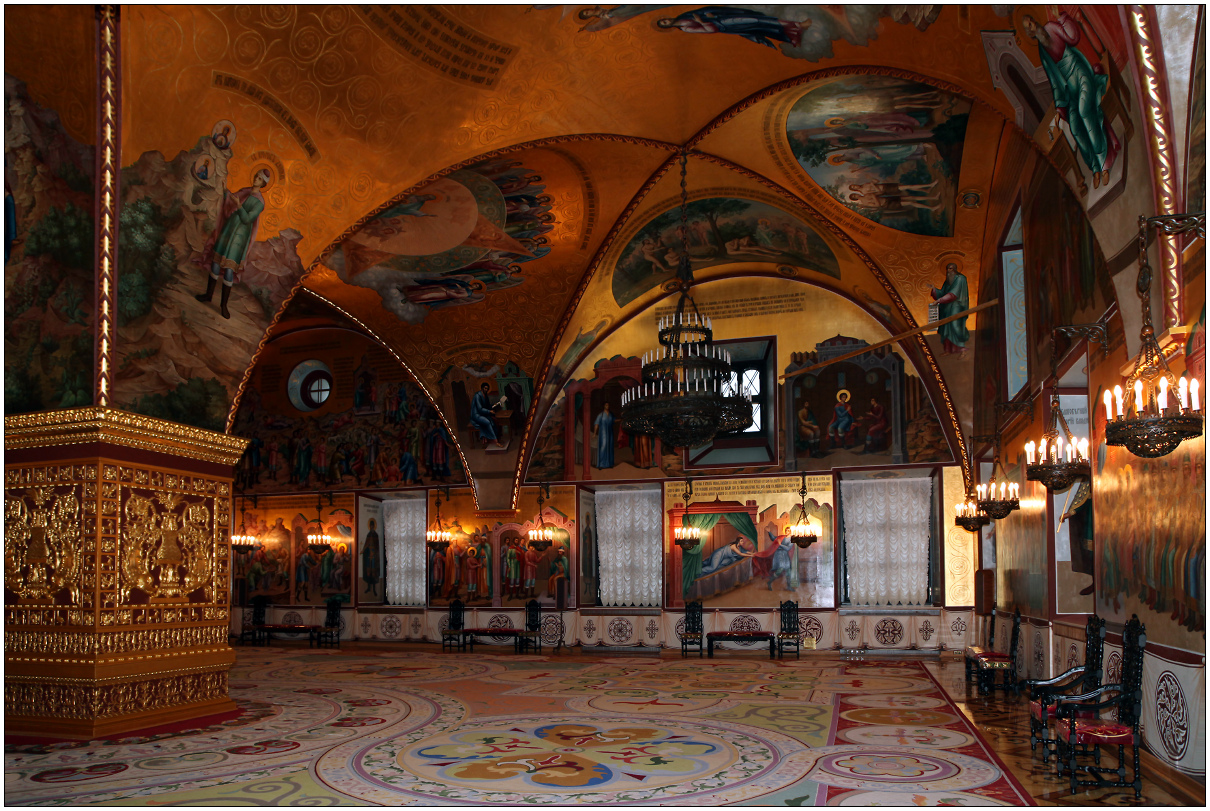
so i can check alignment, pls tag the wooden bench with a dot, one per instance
(468, 636)
(739, 636)
(264, 633)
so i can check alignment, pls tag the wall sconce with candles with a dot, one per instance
(1166, 412)
(541, 536)
(803, 533)
(437, 538)
(1056, 465)
(685, 536)
(969, 516)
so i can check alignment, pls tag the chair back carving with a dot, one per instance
(1134, 641)
(789, 617)
(693, 617)
(1094, 654)
(260, 604)
(533, 616)
(332, 617)
(991, 632)
(457, 610)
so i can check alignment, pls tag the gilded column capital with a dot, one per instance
(76, 426)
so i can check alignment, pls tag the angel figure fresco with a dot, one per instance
(1078, 87)
(751, 25)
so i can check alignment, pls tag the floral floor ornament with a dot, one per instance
(397, 726)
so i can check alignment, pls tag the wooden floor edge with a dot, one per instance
(1159, 770)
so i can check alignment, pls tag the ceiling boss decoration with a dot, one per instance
(682, 398)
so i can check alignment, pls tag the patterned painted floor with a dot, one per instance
(369, 725)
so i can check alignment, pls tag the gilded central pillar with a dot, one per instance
(116, 574)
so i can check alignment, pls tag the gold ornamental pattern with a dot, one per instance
(66, 698)
(105, 643)
(43, 553)
(168, 546)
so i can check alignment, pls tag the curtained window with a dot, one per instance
(403, 539)
(630, 547)
(886, 540)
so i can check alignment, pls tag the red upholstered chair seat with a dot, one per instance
(1090, 731)
(992, 655)
(1035, 709)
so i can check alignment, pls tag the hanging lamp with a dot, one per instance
(541, 536)
(242, 537)
(317, 537)
(437, 538)
(1165, 411)
(684, 397)
(686, 536)
(803, 534)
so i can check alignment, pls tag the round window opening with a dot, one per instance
(309, 385)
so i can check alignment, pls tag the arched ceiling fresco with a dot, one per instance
(491, 189)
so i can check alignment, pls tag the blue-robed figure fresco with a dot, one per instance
(751, 25)
(483, 415)
(724, 556)
(603, 425)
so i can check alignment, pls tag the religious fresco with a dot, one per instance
(486, 405)
(590, 561)
(453, 242)
(48, 258)
(281, 565)
(202, 275)
(581, 440)
(489, 561)
(799, 31)
(375, 429)
(862, 411)
(1195, 149)
(371, 562)
(1079, 110)
(1149, 562)
(720, 231)
(887, 148)
(745, 558)
(1066, 281)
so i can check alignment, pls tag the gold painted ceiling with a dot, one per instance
(364, 115)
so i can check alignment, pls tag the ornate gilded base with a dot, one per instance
(116, 541)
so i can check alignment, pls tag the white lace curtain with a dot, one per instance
(403, 538)
(630, 546)
(886, 540)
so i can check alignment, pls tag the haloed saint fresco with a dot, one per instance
(889, 149)
(453, 242)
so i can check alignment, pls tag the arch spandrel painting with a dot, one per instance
(453, 242)
(890, 149)
(720, 231)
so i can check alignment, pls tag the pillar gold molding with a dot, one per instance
(116, 576)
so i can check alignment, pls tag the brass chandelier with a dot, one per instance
(993, 503)
(541, 536)
(437, 538)
(969, 515)
(685, 536)
(1165, 412)
(242, 536)
(803, 533)
(317, 536)
(683, 398)
(1057, 465)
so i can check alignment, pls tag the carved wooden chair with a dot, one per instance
(452, 635)
(789, 634)
(329, 633)
(1080, 731)
(990, 663)
(1043, 693)
(693, 633)
(974, 651)
(260, 605)
(531, 635)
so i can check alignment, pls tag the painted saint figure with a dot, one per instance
(603, 427)
(877, 425)
(751, 25)
(233, 235)
(809, 432)
(483, 417)
(840, 429)
(369, 559)
(952, 298)
(1078, 87)
(724, 556)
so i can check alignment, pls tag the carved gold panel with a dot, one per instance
(42, 549)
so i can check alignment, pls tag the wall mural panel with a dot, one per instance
(375, 428)
(203, 270)
(1151, 563)
(489, 561)
(888, 417)
(1020, 539)
(887, 148)
(746, 558)
(371, 562)
(720, 231)
(48, 258)
(281, 565)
